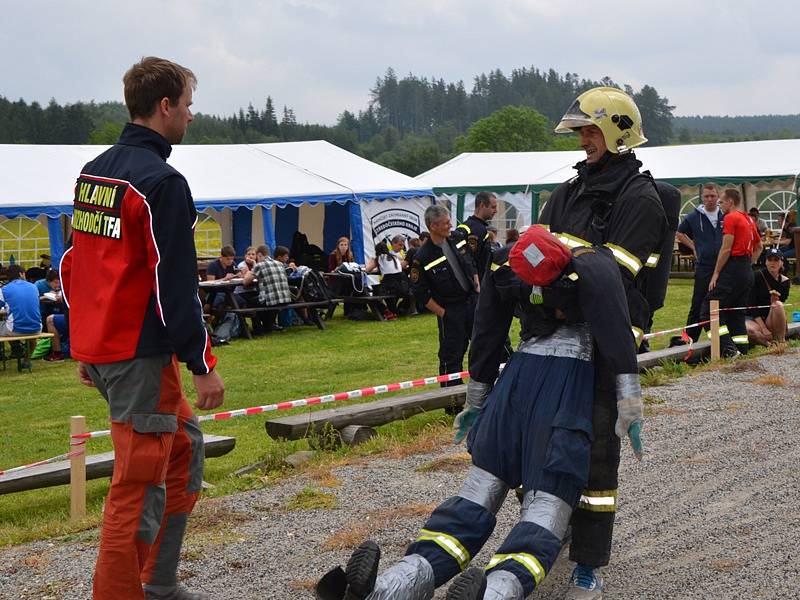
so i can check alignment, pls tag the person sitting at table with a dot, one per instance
(394, 282)
(273, 290)
(219, 269)
(49, 284)
(766, 326)
(20, 299)
(46, 262)
(59, 343)
(340, 254)
(242, 292)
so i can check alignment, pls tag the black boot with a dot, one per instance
(470, 585)
(362, 570)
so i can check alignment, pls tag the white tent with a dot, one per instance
(518, 177)
(344, 194)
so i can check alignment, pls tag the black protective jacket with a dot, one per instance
(474, 234)
(595, 284)
(432, 276)
(610, 203)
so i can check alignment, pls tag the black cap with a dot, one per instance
(773, 253)
(47, 256)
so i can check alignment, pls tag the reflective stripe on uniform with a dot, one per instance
(598, 500)
(739, 339)
(529, 561)
(496, 266)
(571, 241)
(722, 331)
(536, 295)
(547, 227)
(433, 263)
(638, 334)
(625, 258)
(461, 243)
(572, 277)
(447, 543)
(464, 226)
(652, 260)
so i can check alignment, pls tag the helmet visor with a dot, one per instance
(573, 119)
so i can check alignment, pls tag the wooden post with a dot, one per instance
(714, 310)
(77, 472)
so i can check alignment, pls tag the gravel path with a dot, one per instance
(710, 512)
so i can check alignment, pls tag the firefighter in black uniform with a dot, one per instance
(474, 232)
(443, 279)
(609, 203)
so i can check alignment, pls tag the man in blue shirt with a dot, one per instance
(701, 230)
(20, 298)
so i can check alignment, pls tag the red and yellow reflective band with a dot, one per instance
(598, 500)
(529, 561)
(447, 543)
(625, 258)
(652, 260)
(722, 331)
(433, 263)
(495, 266)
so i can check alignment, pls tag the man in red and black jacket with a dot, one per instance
(130, 280)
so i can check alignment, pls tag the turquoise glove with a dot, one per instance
(464, 422)
(634, 431)
(630, 411)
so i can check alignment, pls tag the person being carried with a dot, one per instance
(532, 427)
(770, 290)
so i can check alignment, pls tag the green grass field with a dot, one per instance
(297, 363)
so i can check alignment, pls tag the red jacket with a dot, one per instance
(129, 275)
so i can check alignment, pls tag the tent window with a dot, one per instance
(207, 236)
(25, 239)
(774, 205)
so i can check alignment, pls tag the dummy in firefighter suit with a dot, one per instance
(130, 280)
(535, 429)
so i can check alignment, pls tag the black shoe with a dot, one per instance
(470, 585)
(277, 328)
(362, 571)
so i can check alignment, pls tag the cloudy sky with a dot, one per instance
(322, 56)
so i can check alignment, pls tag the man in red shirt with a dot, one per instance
(733, 273)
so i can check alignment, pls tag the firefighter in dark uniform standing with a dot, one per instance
(609, 203)
(474, 232)
(443, 279)
(733, 273)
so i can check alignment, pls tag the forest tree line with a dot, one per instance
(411, 123)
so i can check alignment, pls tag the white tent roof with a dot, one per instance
(722, 163)
(39, 179)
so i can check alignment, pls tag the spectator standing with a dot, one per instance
(732, 278)
(701, 232)
(770, 289)
(131, 287)
(474, 232)
(786, 241)
(444, 280)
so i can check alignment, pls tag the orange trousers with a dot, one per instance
(158, 472)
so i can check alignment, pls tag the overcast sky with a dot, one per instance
(323, 56)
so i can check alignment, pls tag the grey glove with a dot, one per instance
(477, 393)
(630, 411)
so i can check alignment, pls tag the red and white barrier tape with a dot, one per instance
(46, 461)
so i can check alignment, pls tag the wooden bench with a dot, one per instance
(26, 355)
(372, 302)
(97, 465)
(313, 315)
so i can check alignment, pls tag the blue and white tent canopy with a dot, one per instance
(39, 180)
